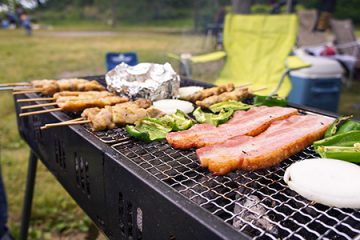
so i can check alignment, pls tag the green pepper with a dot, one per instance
(228, 105)
(348, 126)
(178, 121)
(345, 146)
(152, 129)
(149, 129)
(269, 101)
(214, 119)
(333, 129)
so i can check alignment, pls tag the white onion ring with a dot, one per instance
(326, 181)
(169, 106)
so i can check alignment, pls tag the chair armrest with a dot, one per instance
(208, 57)
(295, 63)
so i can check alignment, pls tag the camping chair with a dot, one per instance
(347, 45)
(256, 50)
(112, 59)
(309, 39)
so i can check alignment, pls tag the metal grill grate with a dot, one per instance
(258, 204)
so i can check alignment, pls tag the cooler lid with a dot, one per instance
(321, 67)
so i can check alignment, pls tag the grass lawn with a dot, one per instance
(55, 54)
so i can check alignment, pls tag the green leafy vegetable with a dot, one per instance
(229, 105)
(269, 101)
(214, 119)
(345, 146)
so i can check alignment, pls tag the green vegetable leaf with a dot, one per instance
(229, 105)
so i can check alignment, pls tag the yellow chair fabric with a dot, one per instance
(257, 47)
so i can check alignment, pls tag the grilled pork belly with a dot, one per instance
(281, 140)
(251, 123)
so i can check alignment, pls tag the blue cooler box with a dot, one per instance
(318, 86)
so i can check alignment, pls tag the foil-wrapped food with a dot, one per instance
(145, 80)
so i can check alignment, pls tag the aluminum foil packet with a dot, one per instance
(145, 80)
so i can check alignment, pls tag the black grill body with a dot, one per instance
(135, 190)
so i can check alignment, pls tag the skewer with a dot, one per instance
(244, 85)
(15, 84)
(25, 92)
(35, 99)
(39, 105)
(75, 120)
(39, 112)
(6, 88)
(67, 123)
(27, 89)
(259, 89)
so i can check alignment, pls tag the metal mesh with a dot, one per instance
(258, 204)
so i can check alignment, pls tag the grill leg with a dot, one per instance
(29, 190)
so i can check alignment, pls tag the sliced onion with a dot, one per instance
(185, 92)
(327, 181)
(169, 106)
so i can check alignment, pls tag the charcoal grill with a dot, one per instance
(136, 190)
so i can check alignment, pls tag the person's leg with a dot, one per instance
(3, 209)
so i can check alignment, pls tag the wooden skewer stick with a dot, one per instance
(35, 99)
(243, 85)
(39, 112)
(75, 119)
(15, 84)
(26, 89)
(39, 105)
(259, 89)
(24, 92)
(67, 123)
(6, 88)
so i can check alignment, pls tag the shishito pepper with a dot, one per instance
(269, 101)
(345, 146)
(228, 105)
(153, 129)
(214, 119)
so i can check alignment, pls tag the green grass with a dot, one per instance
(47, 55)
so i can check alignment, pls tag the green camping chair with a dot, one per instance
(257, 51)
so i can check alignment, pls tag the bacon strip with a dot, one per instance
(251, 123)
(281, 140)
